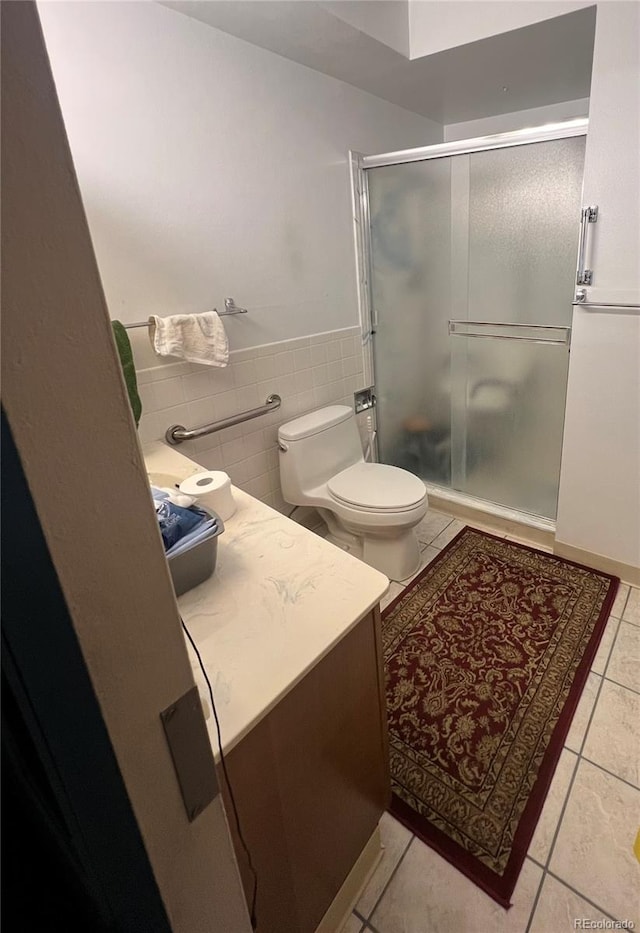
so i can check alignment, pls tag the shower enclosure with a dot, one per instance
(467, 255)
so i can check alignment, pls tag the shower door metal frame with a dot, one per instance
(360, 164)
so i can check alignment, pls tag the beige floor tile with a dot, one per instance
(431, 525)
(394, 590)
(428, 895)
(580, 720)
(545, 830)
(558, 907)
(353, 925)
(620, 601)
(594, 849)
(602, 655)
(613, 739)
(632, 611)
(624, 663)
(449, 533)
(395, 839)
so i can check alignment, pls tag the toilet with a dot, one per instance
(371, 509)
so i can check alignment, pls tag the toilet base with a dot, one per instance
(397, 556)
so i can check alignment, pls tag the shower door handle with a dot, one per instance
(588, 215)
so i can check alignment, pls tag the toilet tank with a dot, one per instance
(315, 447)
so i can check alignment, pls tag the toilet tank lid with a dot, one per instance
(314, 423)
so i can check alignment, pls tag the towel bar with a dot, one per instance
(177, 433)
(605, 306)
(230, 308)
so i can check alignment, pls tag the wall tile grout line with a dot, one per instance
(308, 373)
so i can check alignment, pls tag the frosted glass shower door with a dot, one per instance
(506, 420)
(410, 208)
(478, 239)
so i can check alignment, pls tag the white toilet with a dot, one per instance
(371, 509)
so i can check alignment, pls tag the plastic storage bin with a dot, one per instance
(198, 563)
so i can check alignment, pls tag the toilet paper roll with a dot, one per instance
(211, 489)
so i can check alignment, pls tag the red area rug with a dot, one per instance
(486, 655)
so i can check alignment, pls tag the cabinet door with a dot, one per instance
(311, 782)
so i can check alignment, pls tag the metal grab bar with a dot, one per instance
(588, 215)
(177, 433)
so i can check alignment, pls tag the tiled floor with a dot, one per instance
(581, 862)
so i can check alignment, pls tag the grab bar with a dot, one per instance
(177, 433)
(588, 215)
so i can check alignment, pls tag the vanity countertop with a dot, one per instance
(279, 600)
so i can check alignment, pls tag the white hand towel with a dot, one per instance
(199, 338)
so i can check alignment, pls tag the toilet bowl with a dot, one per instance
(371, 509)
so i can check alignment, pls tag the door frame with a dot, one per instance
(67, 407)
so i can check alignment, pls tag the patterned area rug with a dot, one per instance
(486, 655)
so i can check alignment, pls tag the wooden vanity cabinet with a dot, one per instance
(311, 781)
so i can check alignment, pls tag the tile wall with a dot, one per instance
(307, 373)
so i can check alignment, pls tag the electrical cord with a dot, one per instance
(254, 896)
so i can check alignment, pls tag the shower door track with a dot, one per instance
(539, 134)
(359, 165)
(492, 509)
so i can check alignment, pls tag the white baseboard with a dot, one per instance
(627, 572)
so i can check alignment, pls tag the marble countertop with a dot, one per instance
(279, 600)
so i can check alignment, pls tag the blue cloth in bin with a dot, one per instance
(183, 527)
(176, 522)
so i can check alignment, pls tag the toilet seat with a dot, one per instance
(377, 488)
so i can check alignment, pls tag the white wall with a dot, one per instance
(434, 26)
(518, 120)
(599, 506)
(384, 20)
(211, 168)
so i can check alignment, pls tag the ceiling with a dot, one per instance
(545, 63)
